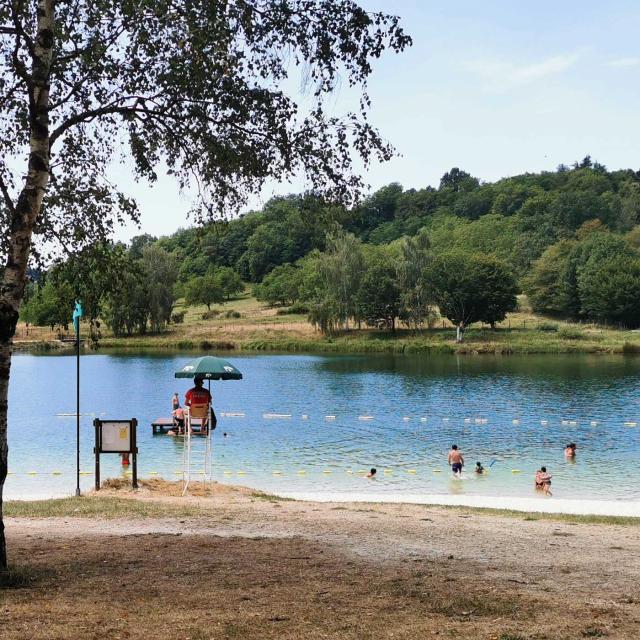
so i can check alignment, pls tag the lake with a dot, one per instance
(512, 413)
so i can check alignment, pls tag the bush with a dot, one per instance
(232, 314)
(569, 333)
(210, 315)
(294, 309)
(178, 317)
(548, 327)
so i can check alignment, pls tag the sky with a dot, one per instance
(496, 88)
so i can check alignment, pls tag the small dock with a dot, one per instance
(162, 425)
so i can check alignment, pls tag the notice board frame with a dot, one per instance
(131, 448)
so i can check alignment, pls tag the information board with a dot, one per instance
(115, 437)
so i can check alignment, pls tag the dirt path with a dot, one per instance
(254, 568)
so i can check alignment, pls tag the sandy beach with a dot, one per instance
(242, 564)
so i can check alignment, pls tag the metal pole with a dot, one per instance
(78, 409)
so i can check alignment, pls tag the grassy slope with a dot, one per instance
(260, 328)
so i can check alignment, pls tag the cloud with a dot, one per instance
(504, 75)
(621, 63)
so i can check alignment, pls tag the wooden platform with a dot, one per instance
(162, 425)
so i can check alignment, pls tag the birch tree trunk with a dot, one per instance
(23, 218)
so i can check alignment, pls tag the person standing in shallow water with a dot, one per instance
(456, 460)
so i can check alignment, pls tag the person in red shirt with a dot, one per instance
(197, 394)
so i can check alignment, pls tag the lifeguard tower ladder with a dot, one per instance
(196, 452)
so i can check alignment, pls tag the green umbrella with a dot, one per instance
(209, 368)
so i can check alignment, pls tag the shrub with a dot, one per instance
(296, 309)
(210, 315)
(569, 333)
(548, 327)
(232, 314)
(178, 317)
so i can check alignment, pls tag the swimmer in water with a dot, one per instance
(372, 473)
(456, 461)
(543, 481)
(570, 450)
(479, 468)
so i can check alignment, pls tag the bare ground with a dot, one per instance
(253, 567)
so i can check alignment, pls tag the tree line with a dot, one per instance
(569, 239)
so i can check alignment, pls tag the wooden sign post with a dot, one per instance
(116, 436)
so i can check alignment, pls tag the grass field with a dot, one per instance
(261, 328)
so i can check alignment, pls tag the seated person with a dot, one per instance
(198, 395)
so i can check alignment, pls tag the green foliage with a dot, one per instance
(281, 286)
(229, 281)
(203, 290)
(378, 297)
(412, 274)
(161, 272)
(545, 284)
(472, 287)
(548, 327)
(609, 290)
(49, 305)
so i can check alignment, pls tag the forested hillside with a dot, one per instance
(569, 239)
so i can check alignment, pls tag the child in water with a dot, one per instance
(372, 473)
(479, 468)
(570, 450)
(543, 481)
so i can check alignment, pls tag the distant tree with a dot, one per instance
(545, 284)
(203, 290)
(378, 297)
(50, 305)
(341, 270)
(138, 243)
(281, 286)
(457, 180)
(161, 273)
(609, 290)
(229, 281)
(472, 287)
(413, 265)
(126, 305)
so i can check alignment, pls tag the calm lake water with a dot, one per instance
(516, 411)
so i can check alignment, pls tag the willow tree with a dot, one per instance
(194, 86)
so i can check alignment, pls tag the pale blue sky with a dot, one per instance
(494, 87)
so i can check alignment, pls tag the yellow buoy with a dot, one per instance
(411, 470)
(437, 470)
(516, 471)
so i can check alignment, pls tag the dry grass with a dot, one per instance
(233, 566)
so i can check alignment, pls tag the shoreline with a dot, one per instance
(523, 504)
(375, 346)
(568, 506)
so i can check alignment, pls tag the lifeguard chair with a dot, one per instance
(196, 458)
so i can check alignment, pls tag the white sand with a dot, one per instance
(545, 505)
